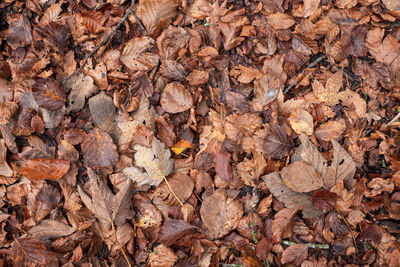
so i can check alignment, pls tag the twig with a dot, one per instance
(311, 245)
(119, 244)
(312, 64)
(394, 119)
(129, 12)
(172, 191)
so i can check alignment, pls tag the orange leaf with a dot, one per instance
(181, 146)
(39, 169)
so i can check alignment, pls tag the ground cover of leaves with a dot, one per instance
(199, 133)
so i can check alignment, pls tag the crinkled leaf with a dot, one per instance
(135, 57)
(51, 229)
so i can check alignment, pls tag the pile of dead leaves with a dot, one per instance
(199, 133)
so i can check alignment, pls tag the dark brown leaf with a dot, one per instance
(48, 94)
(173, 230)
(19, 33)
(371, 233)
(223, 167)
(93, 21)
(98, 150)
(278, 144)
(56, 36)
(39, 169)
(324, 200)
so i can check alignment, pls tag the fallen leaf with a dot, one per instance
(181, 146)
(40, 169)
(301, 122)
(307, 9)
(220, 214)
(162, 256)
(392, 5)
(19, 32)
(165, 131)
(173, 230)
(81, 87)
(282, 224)
(245, 74)
(51, 14)
(330, 93)
(301, 177)
(197, 77)
(173, 70)
(278, 145)
(51, 229)
(103, 112)
(134, 56)
(330, 130)
(378, 186)
(99, 151)
(324, 200)
(181, 184)
(290, 198)
(155, 160)
(143, 136)
(371, 233)
(223, 168)
(280, 21)
(26, 250)
(175, 98)
(237, 102)
(48, 94)
(296, 253)
(5, 169)
(93, 21)
(383, 50)
(156, 14)
(343, 166)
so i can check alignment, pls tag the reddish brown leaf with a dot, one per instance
(371, 233)
(175, 98)
(173, 230)
(93, 21)
(282, 225)
(383, 50)
(143, 136)
(280, 21)
(26, 250)
(98, 150)
(48, 94)
(324, 200)
(197, 77)
(19, 33)
(223, 168)
(296, 253)
(39, 169)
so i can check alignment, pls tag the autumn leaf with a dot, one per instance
(162, 256)
(175, 98)
(93, 21)
(280, 21)
(182, 186)
(384, 50)
(223, 166)
(5, 169)
(324, 200)
(329, 93)
(26, 250)
(103, 112)
(220, 214)
(80, 87)
(172, 230)
(48, 94)
(296, 253)
(282, 224)
(278, 144)
(156, 162)
(51, 169)
(301, 177)
(301, 122)
(51, 229)
(134, 56)
(330, 130)
(181, 146)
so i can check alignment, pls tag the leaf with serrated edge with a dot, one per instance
(290, 198)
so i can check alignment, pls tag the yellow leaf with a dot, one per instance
(181, 146)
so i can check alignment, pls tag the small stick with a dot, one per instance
(129, 12)
(119, 244)
(312, 64)
(311, 245)
(394, 119)
(351, 231)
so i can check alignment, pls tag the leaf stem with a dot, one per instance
(172, 191)
(311, 245)
(119, 244)
(253, 233)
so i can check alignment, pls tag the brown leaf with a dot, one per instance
(223, 168)
(282, 224)
(26, 250)
(55, 36)
(5, 169)
(237, 102)
(44, 202)
(301, 122)
(37, 124)
(51, 14)
(39, 169)
(98, 150)
(181, 184)
(7, 110)
(307, 9)
(383, 51)
(330, 93)
(19, 33)
(290, 198)
(324, 200)
(80, 87)
(173, 230)
(175, 98)
(238, 125)
(371, 233)
(220, 214)
(48, 94)
(173, 70)
(280, 21)
(51, 229)
(330, 130)
(245, 74)
(165, 131)
(278, 145)
(143, 136)
(147, 215)
(134, 56)
(156, 14)
(301, 177)
(93, 21)
(197, 77)
(103, 112)
(296, 253)
(392, 5)
(343, 166)
(162, 256)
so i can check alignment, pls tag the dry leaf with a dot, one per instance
(223, 168)
(173, 230)
(282, 224)
(175, 98)
(155, 160)
(197, 77)
(81, 87)
(278, 144)
(162, 256)
(5, 170)
(330, 130)
(220, 214)
(383, 50)
(51, 229)
(93, 21)
(296, 253)
(40, 169)
(280, 21)
(307, 9)
(103, 112)
(99, 151)
(292, 199)
(330, 93)
(26, 251)
(181, 184)
(19, 33)
(301, 122)
(245, 74)
(51, 14)
(134, 56)
(301, 177)
(48, 94)
(181, 146)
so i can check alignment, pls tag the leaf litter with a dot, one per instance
(199, 133)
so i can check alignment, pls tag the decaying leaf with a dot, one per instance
(301, 177)
(278, 144)
(329, 93)
(181, 184)
(296, 253)
(5, 169)
(220, 214)
(156, 162)
(134, 56)
(280, 21)
(26, 250)
(48, 94)
(223, 166)
(81, 87)
(301, 122)
(282, 225)
(330, 130)
(176, 98)
(40, 169)
(383, 50)
(51, 229)
(162, 256)
(172, 230)
(103, 112)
